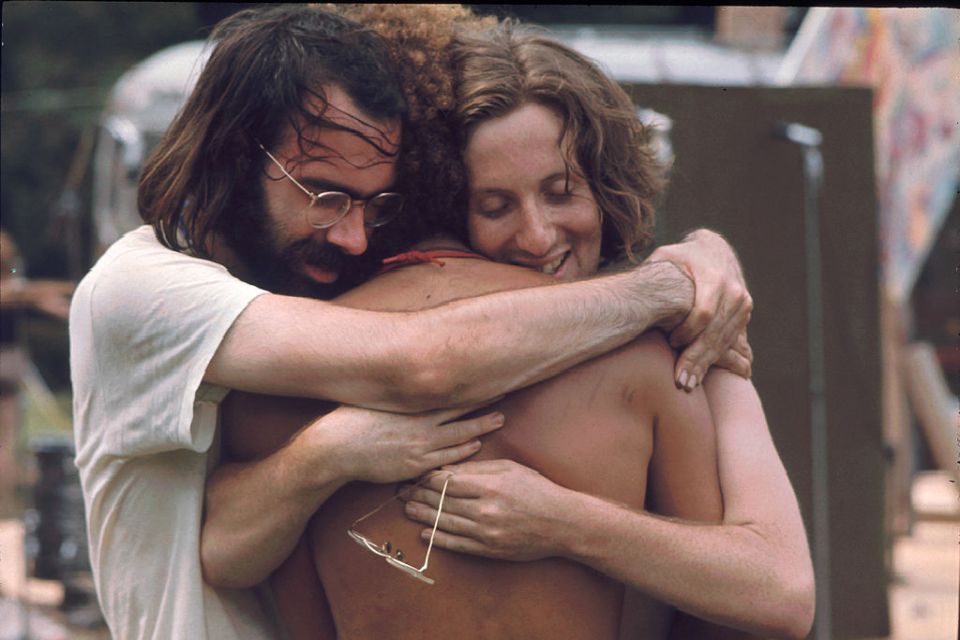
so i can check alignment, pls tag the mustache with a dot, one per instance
(322, 255)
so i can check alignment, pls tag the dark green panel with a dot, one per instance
(733, 175)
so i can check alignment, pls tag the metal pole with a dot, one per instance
(809, 140)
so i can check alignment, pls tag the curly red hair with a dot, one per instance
(420, 38)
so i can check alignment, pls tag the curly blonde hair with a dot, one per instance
(432, 174)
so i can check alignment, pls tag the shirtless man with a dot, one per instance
(601, 428)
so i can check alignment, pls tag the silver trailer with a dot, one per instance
(142, 104)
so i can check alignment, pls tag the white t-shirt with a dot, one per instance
(144, 324)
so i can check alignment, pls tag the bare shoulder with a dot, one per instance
(646, 368)
(653, 346)
(653, 359)
(430, 284)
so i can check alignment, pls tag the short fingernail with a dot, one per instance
(692, 383)
(498, 418)
(683, 379)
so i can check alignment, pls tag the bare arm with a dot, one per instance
(752, 571)
(683, 482)
(457, 354)
(240, 546)
(770, 530)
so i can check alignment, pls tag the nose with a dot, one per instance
(350, 234)
(537, 232)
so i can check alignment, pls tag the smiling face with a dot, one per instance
(290, 255)
(526, 206)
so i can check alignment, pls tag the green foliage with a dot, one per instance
(59, 61)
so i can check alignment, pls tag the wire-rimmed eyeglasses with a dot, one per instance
(328, 208)
(394, 557)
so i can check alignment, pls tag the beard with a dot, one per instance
(275, 268)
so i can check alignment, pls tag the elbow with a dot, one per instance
(213, 573)
(213, 577)
(795, 623)
(796, 606)
(216, 572)
(782, 604)
(435, 368)
(804, 608)
(429, 381)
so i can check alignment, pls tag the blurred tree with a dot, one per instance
(59, 61)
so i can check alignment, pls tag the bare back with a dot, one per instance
(592, 429)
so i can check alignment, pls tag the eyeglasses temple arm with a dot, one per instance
(313, 196)
(436, 523)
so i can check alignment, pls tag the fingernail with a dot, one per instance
(693, 383)
(683, 379)
(499, 418)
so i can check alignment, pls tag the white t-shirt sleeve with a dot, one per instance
(144, 324)
(154, 318)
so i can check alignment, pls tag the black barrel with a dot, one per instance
(56, 534)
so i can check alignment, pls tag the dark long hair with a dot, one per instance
(267, 64)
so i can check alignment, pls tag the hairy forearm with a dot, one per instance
(460, 353)
(719, 572)
(256, 512)
(530, 335)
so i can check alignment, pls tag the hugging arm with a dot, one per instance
(715, 330)
(256, 509)
(751, 571)
(465, 350)
(457, 354)
(768, 555)
(516, 330)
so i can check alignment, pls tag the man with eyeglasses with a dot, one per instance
(268, 185)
